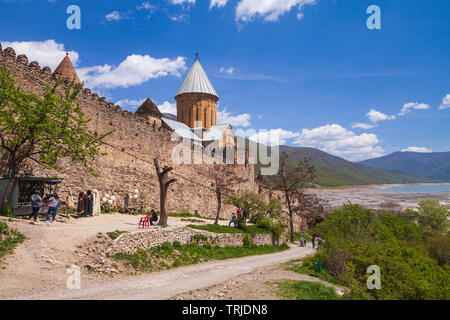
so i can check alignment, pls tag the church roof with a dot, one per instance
(66, 70)
(197, 82)
(181, 129)
(216, 132)
(149, 108)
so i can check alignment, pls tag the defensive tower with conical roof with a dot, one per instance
(197, 99)
(66, 70)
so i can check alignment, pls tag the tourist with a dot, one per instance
(233, 220)
(154, 217)
(36, 201)
(319, 242)
(53, 207)
(313, 241)
(88, 204)
(80, 204)
(302, 242)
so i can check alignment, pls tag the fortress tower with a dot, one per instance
(66, 70)
(197, 99)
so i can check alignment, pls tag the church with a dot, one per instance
(196, 100)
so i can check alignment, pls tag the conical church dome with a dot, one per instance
(197, 82)
(66, 70)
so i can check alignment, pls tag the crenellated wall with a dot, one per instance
(130, 150)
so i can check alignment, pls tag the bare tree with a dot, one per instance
(309, 206)
(222, 178)
(164, 183)
(292, 182)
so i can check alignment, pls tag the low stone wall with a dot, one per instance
(130, 242)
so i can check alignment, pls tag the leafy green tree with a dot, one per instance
(433, 214)
(42, 129)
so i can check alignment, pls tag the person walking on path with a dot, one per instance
(302, 242)
(87, 204)
(36, 201)
(233, 220)
(313, 241)
(53, 207)
(154, 217)
(319, 242)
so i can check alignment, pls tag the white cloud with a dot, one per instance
(272, 137)
(179, 17)
(134, 70)
(146, 6)
(418, 149)
(47, 53)
(240, 120)
(168, 107)
(339, 141)
(407, 107)
(217, 3)
(365, 126)
(182, 1)
(270, 10)
(130, 103)
(113, 16)
(445, 102)
(228, 71)
(376, 116)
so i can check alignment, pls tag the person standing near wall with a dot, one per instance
(88, 204)
(36, 201)
(53, 207)
(80, 204)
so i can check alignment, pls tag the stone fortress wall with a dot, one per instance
(130, 150)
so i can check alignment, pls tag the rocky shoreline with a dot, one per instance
(367, 197)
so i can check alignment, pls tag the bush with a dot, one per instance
(264, 223)
(176, 244)
(247, 241)
(207, 245)
(356, 238)
(166, 246)
(197, 238)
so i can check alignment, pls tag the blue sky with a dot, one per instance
(309, 70)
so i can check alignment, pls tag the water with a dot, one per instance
(426, 188)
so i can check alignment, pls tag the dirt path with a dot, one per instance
(39, 264)
(256, 285)
(167, 284)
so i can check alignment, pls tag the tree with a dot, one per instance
(249, 202)
(223, 178)
(433, 214)
(42, 129)
(164, 184)
(308, 206)
(292, 182)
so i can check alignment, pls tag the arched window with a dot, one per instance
(212, 118)
(182, 116)
(190, 117)
(204, 123)
(197, 114)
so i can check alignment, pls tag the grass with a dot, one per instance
(299, 266)
(193, 220)
(167, 257)
(305, 290)
(226, 229)
(9, 243)
(187, 214)
(115, 234)
(297, 236)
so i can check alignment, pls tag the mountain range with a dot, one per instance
(435, 165)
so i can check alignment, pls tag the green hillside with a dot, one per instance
(333, 171)
(434, 165)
